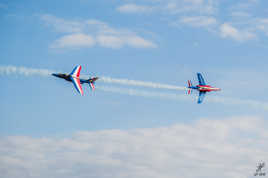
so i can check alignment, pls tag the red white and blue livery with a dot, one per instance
(203, 88)
(74, 77)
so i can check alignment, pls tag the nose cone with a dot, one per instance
(58, 75)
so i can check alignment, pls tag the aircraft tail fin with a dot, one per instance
(94, 79)
(189, 87)
(189, 84)
(92, 82)
(92, 86)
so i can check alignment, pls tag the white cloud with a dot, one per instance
(196, 13)
(172, 7)
(74, 41)
(117, 41)
(89, 33)
(206, 148)
(110, 41)
(198, 21)
(228, 31)
(133, 8)
(237, 21)
(61, 25)
(200, 6)
(139, 42)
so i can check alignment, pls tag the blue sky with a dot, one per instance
(163, 41)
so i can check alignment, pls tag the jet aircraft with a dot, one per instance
(74, 78)
(202, 88)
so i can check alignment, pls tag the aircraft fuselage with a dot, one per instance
(68, 78)
(74, 77)
(202, 87)
(206, 88)
(64, 76)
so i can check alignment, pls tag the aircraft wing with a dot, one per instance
(201, 97)
(77, 84)
(201, 79)
(76, 71)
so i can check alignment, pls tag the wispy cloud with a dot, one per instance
(77, 40)
(198, 21)
(89, 33)
(236, 101)
(228, 31)
(134, 8)
(237, 21)
(190, 6)
(180, 150)
(203, 7)
(62, 25)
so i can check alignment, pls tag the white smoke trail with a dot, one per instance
(44, 72)
(172, 96)
(142, 93)
(7, 70)
(140, 83)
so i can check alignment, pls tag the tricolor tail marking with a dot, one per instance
(189, 83)
(189, 87)
(92, 86)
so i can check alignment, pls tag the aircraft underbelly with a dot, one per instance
(203, 89)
